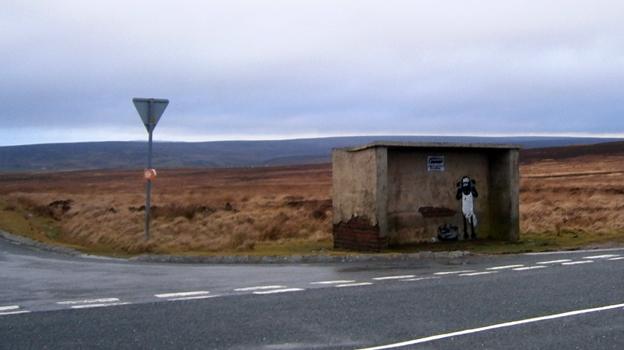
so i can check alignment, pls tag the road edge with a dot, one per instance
(301, 259)
(25, 241)
(242, 259)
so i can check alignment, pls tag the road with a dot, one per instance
(563, 300)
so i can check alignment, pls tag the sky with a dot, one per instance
(264, 69)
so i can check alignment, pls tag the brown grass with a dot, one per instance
(193, 210)
(564, 203)
(579, 197)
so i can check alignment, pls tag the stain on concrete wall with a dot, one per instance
(358, 233)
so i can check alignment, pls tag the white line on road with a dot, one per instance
(392, 277)
(197, 297)
(248, 289)
(353, 284)
(504, 267)
(577, 251)
(333, 282)
(618, 258)
(605, 256)
(494, 326)
(279, 291)
(97, 305)
(578, 262)
(9, 307)
(478, 273)
(453, 272)
(88, 301)
(420, 279)
(553, 261)
(99, 257)
(181, 294)
(14, 312)
(529, 268)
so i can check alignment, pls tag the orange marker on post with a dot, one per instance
(149, 174)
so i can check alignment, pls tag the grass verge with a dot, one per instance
(47, 230)
(44, 229)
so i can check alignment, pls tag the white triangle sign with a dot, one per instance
(150, 110)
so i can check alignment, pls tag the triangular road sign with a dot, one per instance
(150, 110)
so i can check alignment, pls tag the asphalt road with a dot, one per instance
(569, 300)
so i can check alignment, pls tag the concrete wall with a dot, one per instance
(354, 183)
(387, 195)
(505, 198)
(357, 206)
(419, 201)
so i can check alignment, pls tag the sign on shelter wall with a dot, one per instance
(435, 163)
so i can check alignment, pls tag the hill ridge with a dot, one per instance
(214, 154)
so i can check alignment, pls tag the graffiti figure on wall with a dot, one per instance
(467, 192)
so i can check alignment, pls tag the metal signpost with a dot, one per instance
(150, 110)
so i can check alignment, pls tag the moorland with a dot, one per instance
(569, 197)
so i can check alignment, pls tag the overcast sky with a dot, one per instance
(283, 69)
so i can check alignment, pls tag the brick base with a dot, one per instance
(358, 234)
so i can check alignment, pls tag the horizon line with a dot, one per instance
(240, 138)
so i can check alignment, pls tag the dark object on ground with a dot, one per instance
(448, 233)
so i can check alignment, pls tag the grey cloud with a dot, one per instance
(248, 68)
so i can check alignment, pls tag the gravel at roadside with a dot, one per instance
(248, 259)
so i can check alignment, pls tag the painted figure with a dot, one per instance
(467, 192)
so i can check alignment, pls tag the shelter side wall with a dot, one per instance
(420, 201)
(355, 187)
(505, 189)
(381, 192)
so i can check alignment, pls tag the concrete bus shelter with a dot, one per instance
(387, 193)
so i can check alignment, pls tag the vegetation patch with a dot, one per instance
(564, 204)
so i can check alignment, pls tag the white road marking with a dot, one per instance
(195, 297)
(578, 262)
(392, 277)
(9, 307)
(279, 291)
(98, 257)
(494, 326)
(248, 289)
(88, 301)
(554, 261)
(181, 294)
(504, 267)
(618, 258)
(577, 251)
(478, 273)
(14, 312)
(333, 282)
(354, 284)
(97, 305)
(420, 279)
(529, 268)
(453, 272)
(601, 256)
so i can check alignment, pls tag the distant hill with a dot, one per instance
(132, 155)
(558, 153)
